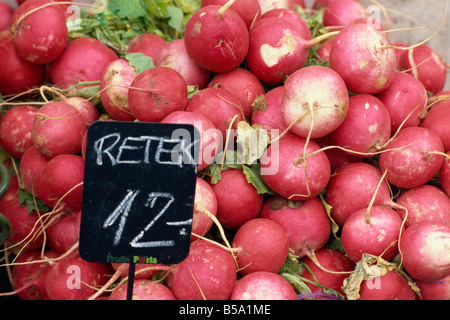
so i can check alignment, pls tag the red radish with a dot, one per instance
(60, 181)
(114, 89)
(263, 285)
(391, 286)
(220, 106)
(366, 127)
(243, 84)
(40, 31)
(276, 49)
(269, 115)
(424, 250)
(336, 156)
(29, 273)
(373, 62)
(210, 138)
(84, 59)
(295, 169)
(17, 74)
(315, 101)
(147, 43)
(87, 109)
(15, 130)
(352, 187)
(237, 200)
(208, 272)
(31, 164)
(437, 119)
(444, 175)
(435, 290)
(261, 245)
(317, 4)
(405, 99)
(342, 13)
(63, 233)
(157, 92)
(6, 13)
(373, 230)
(143, 290)
(305, 222)
(175, 56)
(205, 199)
(24, 225)
(291, 16)
(332, 260)
(216, 38)
(73, 278)
(424, 203)
(324, 50)
(249, 11)
(399, 52)
(142, 270)
(412, 158)
(267, 5)
(425, 65)
(58, 128)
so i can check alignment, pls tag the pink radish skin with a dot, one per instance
(40, 36)
(220, 106)
(83, 59)
(291, 179)
(243, 84)
(6, 13)
(267, 5)
(377, 237)
(62, 279)
(31, 164)
(405, 99)
(63, 233)
(209, 272)
(114, 88)
(352, 187)
(217, 40)
(391, 286)
(424, 249)
(330, 260)
(291, 16)
(210, 138)
(263, 285)
(342, 13)
(373, 63)
(444, 175)
(409, 158)
(437, 120)
(87, 109)
(175, 56)
(33, 273)
(157, 92)
(237, 200)
(435, 290)
(366, 127)
(261, 245)
(425, 203)
(321, 90)
(276, 49)
(337, 157)
(143, 289)
(205, 199)
(425, 65)
(22, 223)
(17, 74)
(249, 11)
(139, 273)
(15, 130)
(60, 181)
(58, 128)
(147, 43)
(305, 222)
(324, 50)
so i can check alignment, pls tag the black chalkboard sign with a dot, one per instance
(138, 193)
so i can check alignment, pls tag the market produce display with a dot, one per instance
(324, 165)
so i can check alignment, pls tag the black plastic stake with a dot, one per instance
(130, 281)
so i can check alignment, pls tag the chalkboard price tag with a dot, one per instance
(138, 192)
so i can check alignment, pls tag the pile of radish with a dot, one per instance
(346, 197)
